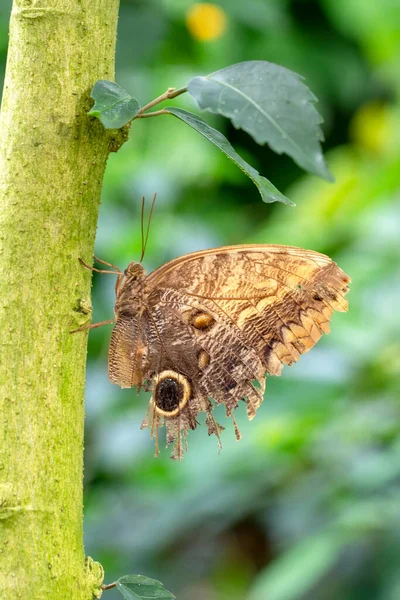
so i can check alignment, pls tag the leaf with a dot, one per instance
(139, 587)
(268, 191)
(270, 103)
(113, 106)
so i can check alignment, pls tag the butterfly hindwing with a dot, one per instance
(204, 347)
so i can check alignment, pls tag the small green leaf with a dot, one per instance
(268, 191)
(139, 587)
(271, 104)
(113, 106)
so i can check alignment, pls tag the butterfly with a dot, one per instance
(208, 327)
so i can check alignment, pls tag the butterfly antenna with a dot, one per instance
(148, 226)
(142, 229)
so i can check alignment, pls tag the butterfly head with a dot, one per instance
(134, 271)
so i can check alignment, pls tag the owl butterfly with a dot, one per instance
(209, 326)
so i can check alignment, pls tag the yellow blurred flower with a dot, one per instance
(206, 21)
(370, 127)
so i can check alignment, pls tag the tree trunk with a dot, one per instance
(52, 160)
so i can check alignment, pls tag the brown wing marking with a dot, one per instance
(274, 249)
(331, 299)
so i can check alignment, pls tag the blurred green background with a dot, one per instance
(307, 505)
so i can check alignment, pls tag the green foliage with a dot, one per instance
(113, 106)
(269, 193)
(271, 104)
(139, 587)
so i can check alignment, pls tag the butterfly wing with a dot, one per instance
(224, 317)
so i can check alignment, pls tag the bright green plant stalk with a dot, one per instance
(52, 160)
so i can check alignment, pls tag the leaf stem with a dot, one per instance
(151, 114)
(109, 586)
(168, 95)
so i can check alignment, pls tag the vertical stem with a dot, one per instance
(52, 160)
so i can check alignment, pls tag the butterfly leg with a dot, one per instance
(103, 262)
(99, 270)
(93, 325)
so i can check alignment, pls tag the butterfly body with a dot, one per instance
(207, 327)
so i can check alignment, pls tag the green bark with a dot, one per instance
(52, 160)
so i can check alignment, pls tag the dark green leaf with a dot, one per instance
(112, 104)
(139, 587)
(268, 191)
(270, 103)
